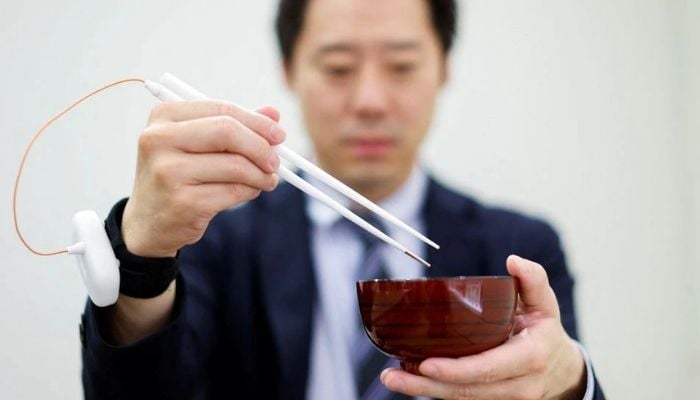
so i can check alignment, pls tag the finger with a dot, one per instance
(413, 385)
(525, 387)
(213, 135)
(534, 290)
(227, 168)
(516, 357)
(220, 196)
(188, 110)
(269, 112)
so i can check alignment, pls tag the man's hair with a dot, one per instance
(290, 21)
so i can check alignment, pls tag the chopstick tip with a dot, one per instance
(415, 257)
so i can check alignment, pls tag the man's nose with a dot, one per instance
(370, 97)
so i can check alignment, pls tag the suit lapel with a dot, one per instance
(288, 285)
(452, 223)
(287, 279)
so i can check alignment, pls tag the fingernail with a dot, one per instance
(276, 133)
(395, 383)
(274, 162)
(524, 266)
(273, 184)
(383, 375)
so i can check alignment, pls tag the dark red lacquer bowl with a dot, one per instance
(415, 319)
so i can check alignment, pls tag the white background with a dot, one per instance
(584, 112)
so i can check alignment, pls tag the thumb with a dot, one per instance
(535, 292)
(269, 112)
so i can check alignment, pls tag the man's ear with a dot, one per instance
(444, 70)
(288, 73)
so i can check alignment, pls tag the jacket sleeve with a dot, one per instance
(127, 372)
(170, 364)
(549, 253)
(545, 248)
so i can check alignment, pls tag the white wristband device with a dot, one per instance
(97, 263)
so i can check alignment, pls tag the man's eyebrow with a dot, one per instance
(402, 45)
(395, 45)
(334, 48)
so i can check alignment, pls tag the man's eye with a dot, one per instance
(338, 71)
(403, 68)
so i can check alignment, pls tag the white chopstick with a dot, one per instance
(312, 191)
(188, 92)
(173, 89)
(328, 179)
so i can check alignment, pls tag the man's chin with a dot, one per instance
(368, 177)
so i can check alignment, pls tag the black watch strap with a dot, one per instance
(141, 277)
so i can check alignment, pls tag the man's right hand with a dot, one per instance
(196, 159)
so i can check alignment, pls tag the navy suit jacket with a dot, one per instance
(242, 322)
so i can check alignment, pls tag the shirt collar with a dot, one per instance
(405, 203)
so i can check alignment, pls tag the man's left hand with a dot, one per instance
(539, 361)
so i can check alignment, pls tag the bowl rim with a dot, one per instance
(440, 278)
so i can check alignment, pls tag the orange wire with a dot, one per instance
(29, 147)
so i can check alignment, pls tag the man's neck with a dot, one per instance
(379, 191)
(404, 203)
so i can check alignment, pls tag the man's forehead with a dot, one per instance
(332, 25)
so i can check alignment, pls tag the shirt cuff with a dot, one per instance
(590, 380)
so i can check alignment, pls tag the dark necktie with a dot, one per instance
(368, 362)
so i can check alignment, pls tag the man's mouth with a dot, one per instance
(370, 147)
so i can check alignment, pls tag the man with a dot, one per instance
(263, 306)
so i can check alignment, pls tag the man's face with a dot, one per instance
(367, 73)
